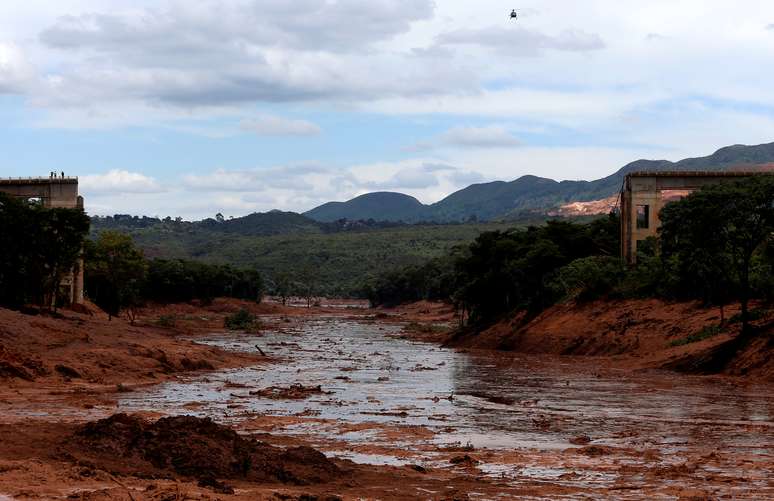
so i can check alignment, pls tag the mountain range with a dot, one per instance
(527, 195)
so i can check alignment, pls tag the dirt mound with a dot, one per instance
(90, 349)
(638, 333)
(194, 448)
(13, 365)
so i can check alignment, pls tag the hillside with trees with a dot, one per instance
(715, 246)
(332, 259)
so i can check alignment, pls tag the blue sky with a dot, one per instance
(182, 108)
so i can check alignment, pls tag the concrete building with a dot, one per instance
(52, 192)
(644, 194)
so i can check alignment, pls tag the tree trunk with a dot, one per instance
(744, 296)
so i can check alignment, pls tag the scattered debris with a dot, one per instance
(293, 392)
(465, 460)
(580, 440)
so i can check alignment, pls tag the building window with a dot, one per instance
(643, 216)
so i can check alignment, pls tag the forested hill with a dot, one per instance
(334, 258)
(527, 194)
(395, 206)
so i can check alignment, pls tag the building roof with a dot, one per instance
(698, 173)
(16, 181)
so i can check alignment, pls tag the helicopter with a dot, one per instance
(514, 14)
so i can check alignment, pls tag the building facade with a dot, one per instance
(644, 194)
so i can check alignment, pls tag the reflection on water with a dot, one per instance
(492, 401)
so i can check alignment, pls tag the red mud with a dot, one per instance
(191, 447)
(80, 361)
(626, 333)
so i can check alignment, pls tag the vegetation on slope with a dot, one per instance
(335, 261)
(716, 245)
(119, 278)
(377, 206)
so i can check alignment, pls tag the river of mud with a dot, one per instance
(584, 430)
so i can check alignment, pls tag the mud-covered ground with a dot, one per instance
(394, 418)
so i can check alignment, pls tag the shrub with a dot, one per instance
(706, 333)
(588, 277)
(167, 321)
(242, 320)
(756, 314)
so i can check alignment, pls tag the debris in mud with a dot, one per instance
(457, 447)
(191, 447)
(401, 414)
(215, 485)
(542, 422)
(231, 384)
(308, 412)
(304, 497)
(195, 365)
(455, 496)
(595, 451)
(495, 399)
(465, 460)
(292, 392)
(420, 367)
(580, 440)
(67, 371)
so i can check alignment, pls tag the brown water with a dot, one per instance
(657, 433)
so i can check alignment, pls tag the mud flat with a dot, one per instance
(393, 419)
(568, 426)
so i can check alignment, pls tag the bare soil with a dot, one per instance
(641, 333)
(61, 438)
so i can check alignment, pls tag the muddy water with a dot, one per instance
(579, 428)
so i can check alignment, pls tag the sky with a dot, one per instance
(192, 108)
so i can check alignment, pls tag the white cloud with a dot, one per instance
(16, 72)
(492, 136)
(523, 42)
(613, 80)
(119, 181)
(267, 125)
(408, 178)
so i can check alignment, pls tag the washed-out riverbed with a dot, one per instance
(582, 431)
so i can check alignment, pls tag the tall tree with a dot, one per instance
(115, 271)
(40, 246)
(715, 232)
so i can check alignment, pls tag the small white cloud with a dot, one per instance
(268, 125)
(492, 136)
(523, 42)
(653, 37)
(465, 178)
(224, 180)
(119, 181)
(409, 178)
(770, 27)
(15, 71)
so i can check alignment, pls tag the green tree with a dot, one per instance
(40, 247)
(115, 271)
(714, 234)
